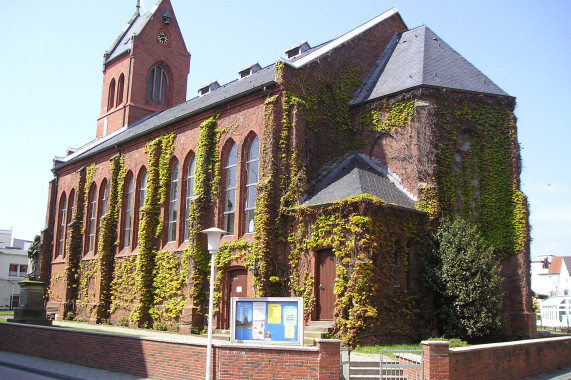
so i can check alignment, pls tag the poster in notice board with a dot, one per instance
(277, 320)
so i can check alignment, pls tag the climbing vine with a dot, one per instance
(108, 234)
(206, 180)
(159, 152)
(364, 245)
(477, 172)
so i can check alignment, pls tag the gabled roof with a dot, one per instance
(419, 57)
(325, 48)
(265, 77)
(555, 265)
(124, 43)
(358, 175)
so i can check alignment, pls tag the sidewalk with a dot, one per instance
(66, 371)
(59, 370)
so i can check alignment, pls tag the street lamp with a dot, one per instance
(213, 235)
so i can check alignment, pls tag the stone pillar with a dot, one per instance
(436, 359)
(329, 358)
(31, 309)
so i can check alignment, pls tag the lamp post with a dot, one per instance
(213, 235)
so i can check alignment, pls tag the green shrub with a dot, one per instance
(465, 277)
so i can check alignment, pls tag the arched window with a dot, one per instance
(230, 189)
(104, 198)
(91, 221)
(157, 85)
(111, 96)
(173, 203)
(62, 224)
(409, 265)
(120, 89)
(128, 210)
(252, 165)
(396, 268)
(189, 195)
(141, 192)
(70, 212)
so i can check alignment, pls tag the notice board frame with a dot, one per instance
(283, 320)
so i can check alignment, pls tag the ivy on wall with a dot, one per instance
(477, 172)
(364, 234)
(107, 235)
(206, 180)
(159, 152)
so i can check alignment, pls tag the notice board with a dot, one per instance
(277, 320)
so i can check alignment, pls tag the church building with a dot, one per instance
(327, 170)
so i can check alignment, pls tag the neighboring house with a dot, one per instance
(327, 169)
(543, 280)
(13, 268)
(551, 276)
(5, 238)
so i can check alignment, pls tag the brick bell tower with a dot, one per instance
(145, 70)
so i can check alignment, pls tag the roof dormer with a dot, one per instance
(249, 70)
(208, 88)
(297, 50)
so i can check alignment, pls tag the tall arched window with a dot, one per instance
(104, 198)
(173, 203)
(128, 210)
(230, 189)
(120, 89)
(111, 96)
(140, 199)
(91, 214)
(252, 165)
(157, 83)
(62, 224)
(70, 211)
(189, 195)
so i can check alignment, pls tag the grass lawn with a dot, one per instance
(6, 314)
(377, 349)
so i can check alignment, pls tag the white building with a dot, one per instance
(551, 275)
(13, 268)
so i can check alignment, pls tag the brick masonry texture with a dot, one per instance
(505, 361)
(160, 359)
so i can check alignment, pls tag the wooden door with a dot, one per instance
(325, 279)
(238, 282)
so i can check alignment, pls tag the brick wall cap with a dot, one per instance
(510, 344)
(435, 343)
(327, 341)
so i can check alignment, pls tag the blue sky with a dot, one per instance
(53, 53)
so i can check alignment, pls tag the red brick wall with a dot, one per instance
(171, 360)
(510, 360)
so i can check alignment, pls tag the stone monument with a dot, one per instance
(31, 309)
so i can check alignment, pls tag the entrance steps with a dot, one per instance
(315, 330)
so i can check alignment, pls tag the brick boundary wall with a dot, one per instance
(164, 359)
(509, 360)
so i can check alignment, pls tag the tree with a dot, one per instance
(463, 273)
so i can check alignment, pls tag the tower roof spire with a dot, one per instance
(137, 12)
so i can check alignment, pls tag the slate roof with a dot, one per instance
(358, 175)
(123, 43)
(238, 88)
(567, 260)
(419, 57)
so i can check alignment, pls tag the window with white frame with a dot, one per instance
(252, 166)
(173, 203)
(189, 195)
(230, 189)
(92, 221)
(18, 270)
(128, 211)
(62, 224)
